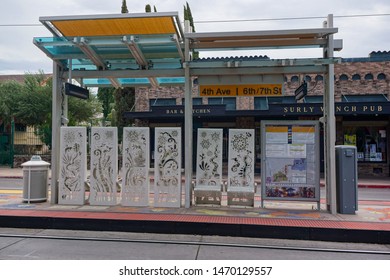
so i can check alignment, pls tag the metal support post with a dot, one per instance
(55, 138)
(188, 124)
(330, 126)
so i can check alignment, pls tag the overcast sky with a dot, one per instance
(361, 35)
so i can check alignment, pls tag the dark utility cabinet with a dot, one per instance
(346, 179)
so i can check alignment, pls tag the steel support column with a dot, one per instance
(330, 127)
(188, 123)
(55, 137)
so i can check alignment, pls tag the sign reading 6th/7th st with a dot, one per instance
(240, 90)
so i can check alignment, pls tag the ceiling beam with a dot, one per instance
(135, 51)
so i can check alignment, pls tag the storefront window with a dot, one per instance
(369, 141)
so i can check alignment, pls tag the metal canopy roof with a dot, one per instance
(147, 49)
(117, 42)
(261, 39)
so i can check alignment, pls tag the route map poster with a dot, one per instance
(290, 160)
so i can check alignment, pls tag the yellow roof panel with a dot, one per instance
(115, 26)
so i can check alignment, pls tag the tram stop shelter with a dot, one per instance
(153, 49)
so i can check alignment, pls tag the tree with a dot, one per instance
(124, 9)
(188, 16)
(106, 97)
(124, 101)
(148, 9)
(34, 104)
(10, 92)
(30, 104)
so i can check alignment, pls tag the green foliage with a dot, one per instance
(106, 97)
(124, 9)
(30, 103)
(10, 92)
(124, 101)
(34, 105)
(148, 8)
(188, 16)
(83, 111)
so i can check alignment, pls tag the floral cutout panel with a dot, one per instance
(135, 169)
(104, 166)
(167, 167)
(209, 158)
(73, 165)
(241, 167)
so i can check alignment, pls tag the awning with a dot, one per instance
(151, 41)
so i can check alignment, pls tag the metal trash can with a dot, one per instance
(35, 180)
(346, 179)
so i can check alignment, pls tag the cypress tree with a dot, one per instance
(124, 9)
(148, 9)
(188, 16)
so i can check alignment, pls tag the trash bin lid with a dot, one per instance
(35, 161)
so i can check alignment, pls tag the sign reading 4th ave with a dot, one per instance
(240, 90)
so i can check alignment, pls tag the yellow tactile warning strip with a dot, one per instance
(199, 219)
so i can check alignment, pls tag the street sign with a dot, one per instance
(240, 90)
(301, 91)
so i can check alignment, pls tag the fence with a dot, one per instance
(28, 142)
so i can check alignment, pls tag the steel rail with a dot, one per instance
(197, 243)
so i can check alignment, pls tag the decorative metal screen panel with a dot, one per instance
(135, 169)
(209, 157)
(241, 184)
(241, 167)
(73, 165)
(104, 166)
(167, 167)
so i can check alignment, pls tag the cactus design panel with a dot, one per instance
(241, 167)
(135, 169)
(73, 165)
(209, 157)
(167, 167)
(104, 166)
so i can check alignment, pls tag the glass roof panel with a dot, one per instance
(171, 80)
(160, 52)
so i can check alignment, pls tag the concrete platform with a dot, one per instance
(278, 219)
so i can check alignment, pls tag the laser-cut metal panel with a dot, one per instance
(104, 165)
(207, 188)
(241, 171)
(73, 165)
(167, 167)
(241, 158)
(135, 169)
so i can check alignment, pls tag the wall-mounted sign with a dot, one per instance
(240, 90)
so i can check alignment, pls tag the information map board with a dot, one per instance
(290, 160)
